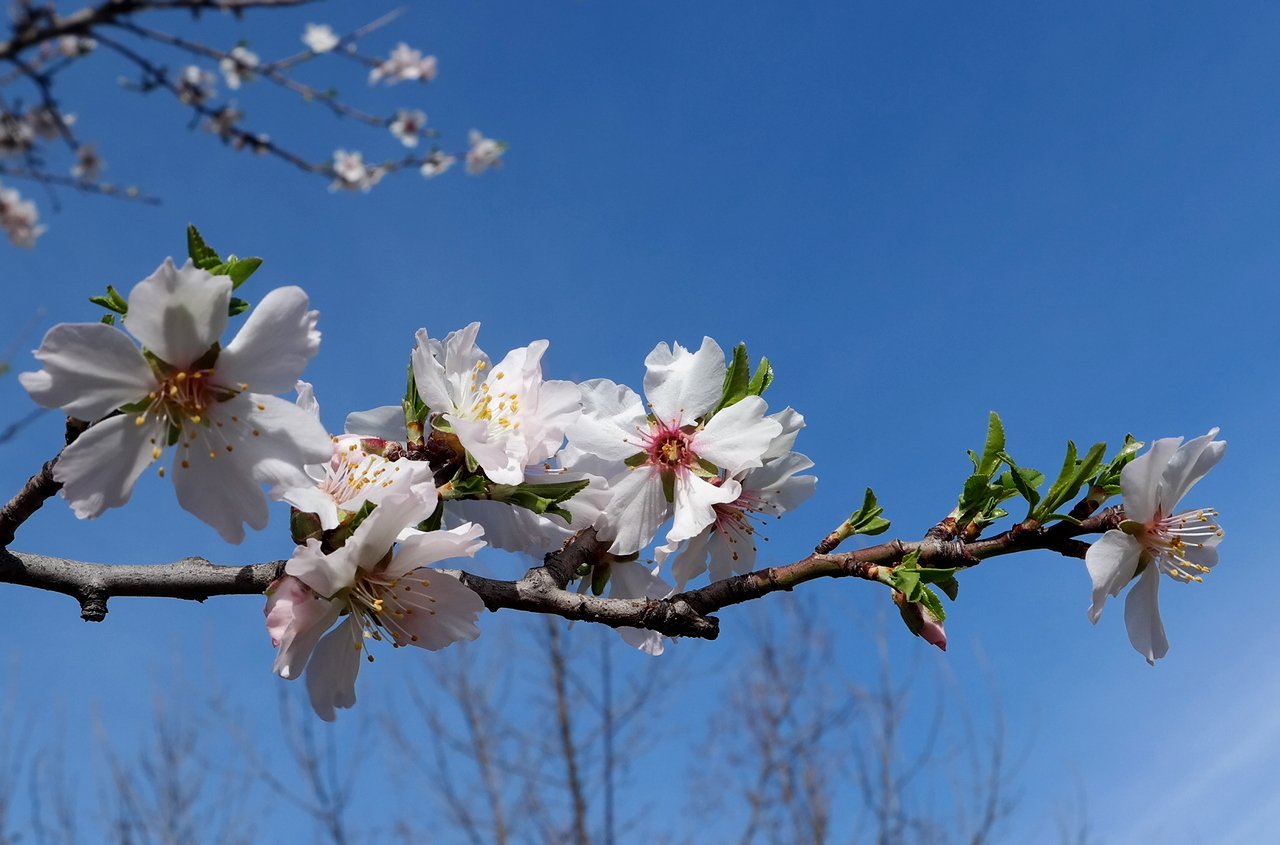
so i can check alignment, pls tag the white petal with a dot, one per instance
(428, 547)
(324, 573)
(90, 369)
(1140, 479)
(375, 536)
(737, 437)
(444, 610)
(695, 504)
(1142, 617)
(501, 457)
(218, 487)
(98, 471)
(510, 528)
(331, 673)
(1112, 562)
(691, 561)
(777, 484)
(1188, 465)
(304, 621)
(179, 313)
(385, 423)
(636, 512)
(274, 345)
(429, 375)
(310, 499)
(559, 407)
(612, 422)
(633, 580)
(307, 398)
(791, 422)
(731, 554)
(650, 642)
(683, 385)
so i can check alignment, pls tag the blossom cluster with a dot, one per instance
(18, 218)
(491, 454)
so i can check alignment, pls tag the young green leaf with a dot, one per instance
(200, 252)
(737, 378)
(762, 379)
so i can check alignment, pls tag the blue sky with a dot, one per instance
(919, 211)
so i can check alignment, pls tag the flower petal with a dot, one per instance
(324, 573)
(612, 421)
(737, 437)
(179, 313)
(1112, 562)
(274, 345)
(296, 619)
(98, 471)
(791, 421)
(219, 488)
(1140, 479)
(444, 610)
(636, 512)
(691, 560)
(683, 385)
(385, 423)
(1187, 466)
(695, 503)
(428, 547)
(1142, 617)
(375, 536)
(332, 670)
(90, 369)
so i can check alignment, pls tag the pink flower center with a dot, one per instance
(669, 447)
(1168, 539)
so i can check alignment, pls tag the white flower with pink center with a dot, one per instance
(484, 153)
(408, 125)
(382, 581)
(209, 406)
(1155, 537)
(351, 173)
(674, 454)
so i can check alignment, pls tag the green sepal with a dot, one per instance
(415, 410)
(236, 307)
(439, 423)
(466, 486)
(636, 460)
(208, 359)
(433, 522)
(668, 485)
(173, 435)
(473, 465)
(706, 469)
(304, 526)
(600, 579)
(583, 570)
(539, 498)
(113, 301)
(161, 368)
(339, 536)
(200, 252)
(239, 269)
(109, 319)
(136, 407)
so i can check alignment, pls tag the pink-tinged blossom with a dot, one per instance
(768, 491)
(506, 416)
(49, 123)
(382, 581)
(237, 66)
(351, 173)
(675, 450)
(214, 404)
(405, 64)
(88, 164)
(76, 45)
(408, 125)
(18, 218)
(436, 163)
(319, 38)
(1155, 537)
(484, 153)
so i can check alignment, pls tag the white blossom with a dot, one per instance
(48, 123)
(209, 406)
(407, 125)
(319, 38)
(18, 218)
(351, 173)
(88, 164)
(404, 64)
(484, 153)
(223, 122)
(1155, 537)
(76, 45)
(195, 85)
(237, 66)
(436, 163)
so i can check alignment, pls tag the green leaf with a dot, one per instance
(1109, 478)
(237, 306)
(109, 319)
(950, 586)
(762, 379)
(1072, 477)
(929, 599)
(1025, 481)
(200, 252)
(990, 461)
(736, 379)
(867, 519)
(539, 498)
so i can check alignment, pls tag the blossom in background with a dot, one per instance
(237, 66)
(484, 153)
(670, 453)
(506, 416)
(407, 125)
(351, 173)
(48, 123)
(404, 64)
(319, 38)
(76, 45)
(223, 122)
(771, 489)
(386, 596)
(1155, 537)
(16, 135)
(436, 163)
(89, 164)
(195, 86)
(18, 218)
(210, 405)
